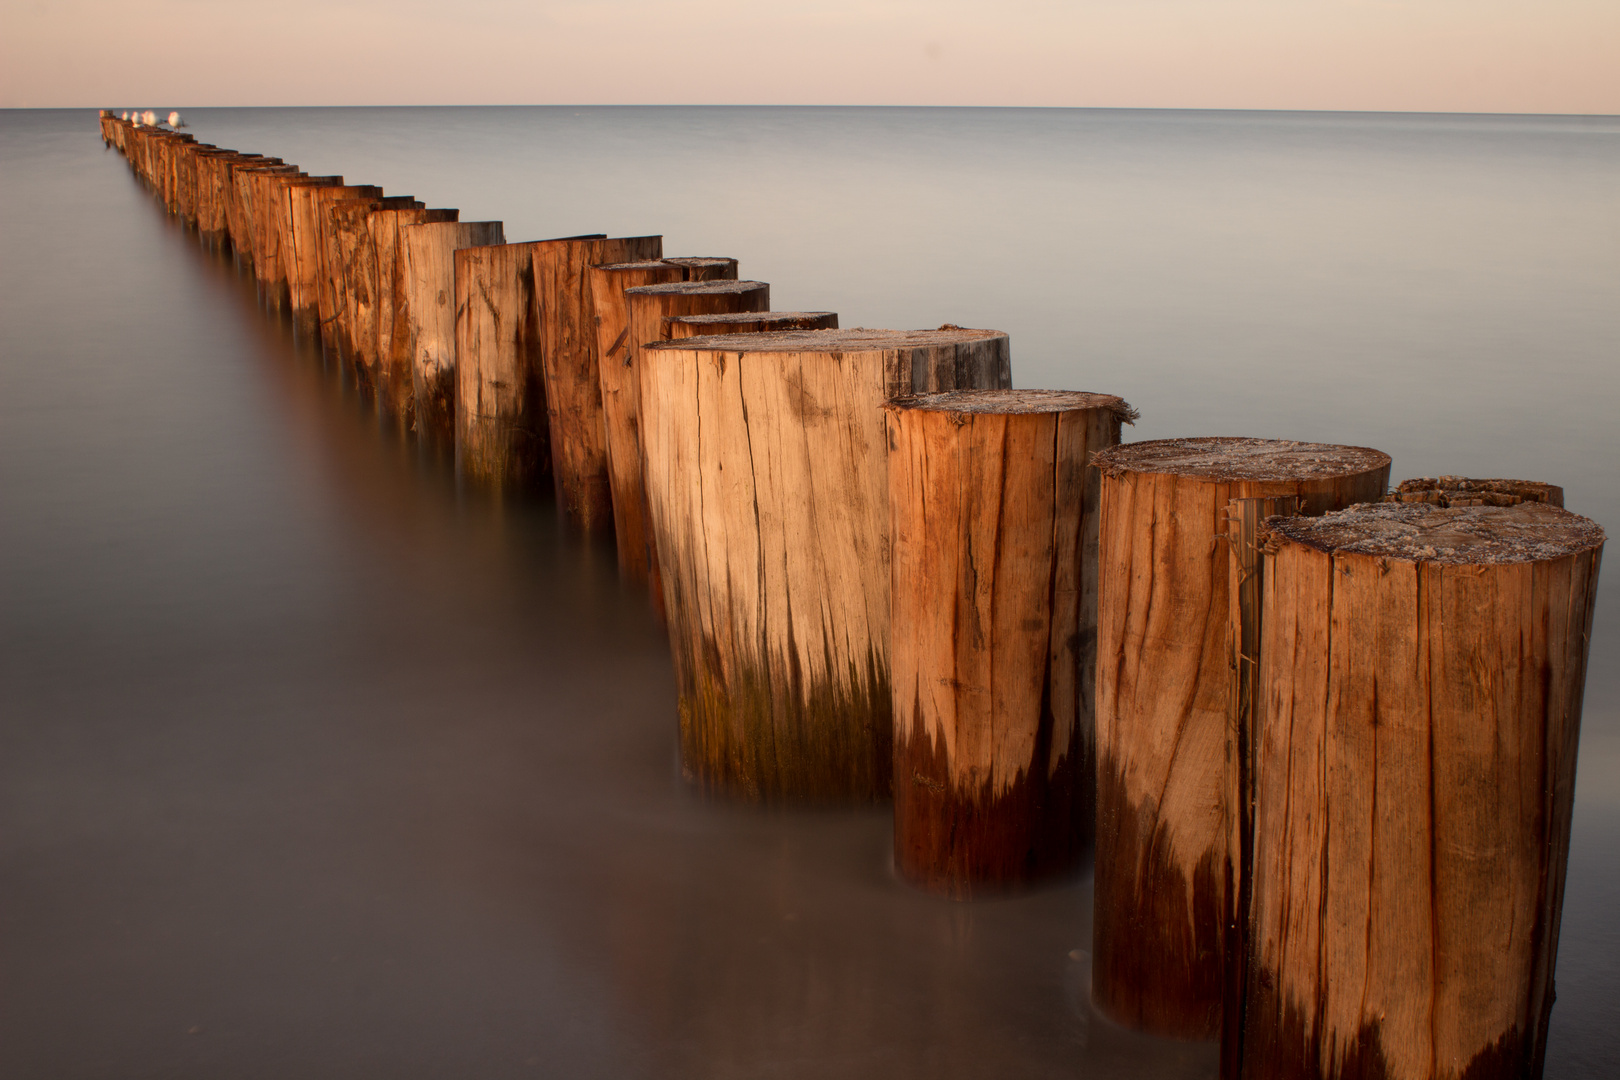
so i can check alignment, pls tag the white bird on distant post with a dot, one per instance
(175, 121)
(149, 118)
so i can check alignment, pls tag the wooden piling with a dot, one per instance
(502, 426)
(309, 285)
(1163, 688)
(245, 211)
(645, 308)
(428, 252)
(579, 456)
(396, 395)
(772, 530)
(993, 526)
(1422, 669)
(676, 327)
(273, 229)
(610, 310)
(353, 272)
(1463, 491)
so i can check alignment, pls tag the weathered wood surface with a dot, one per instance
(355, 282)
(213, 180)
(645, 308)
(675, 327)
(579, 455)
(1465, 491)
(232, 195)
(310, 264)
(705, 267)
(1245, 518)
(244, 211)
(273, 232)
(767, 480)
(428, 257)
(993, 522)
(331, 263)
(396, 395)
(611, 312)
(1422, 670)
(502, 427)
(1163, 688)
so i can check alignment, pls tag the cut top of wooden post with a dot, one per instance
(975, 357)
(1014, 402)
(675, 327)
(1240, 459)
(1463, 491)
(1457, 535)
(706, 268)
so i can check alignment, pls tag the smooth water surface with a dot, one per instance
(314, 763)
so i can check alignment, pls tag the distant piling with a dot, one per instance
(429, 264)
(579, 455)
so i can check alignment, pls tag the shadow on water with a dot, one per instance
(370, 774)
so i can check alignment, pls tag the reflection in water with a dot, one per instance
(315, 762)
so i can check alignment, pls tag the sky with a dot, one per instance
(1526, 56)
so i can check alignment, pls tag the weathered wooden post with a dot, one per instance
(1422, 670)
(213, 178)
(645, 307)
(675, 327)
(993, 522)
(502, 427)
(395, 392)
(308, 269)
(354, 277)
(241, 210)
(579, 459)
(1163, 702)
(271, 221)
(428, 254)
(772, 532)
(1463, 491)
(238, 199)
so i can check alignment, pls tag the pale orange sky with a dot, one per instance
(1560, 56)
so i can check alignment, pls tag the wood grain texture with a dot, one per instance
(621, 390)
(245, 212)
(355, 281)
(396, 394)
(1422, 671)
(502, 427)
(1163, 689)
(646, 308)
(1245, 519)
(993, 526)
(328, 260)
(236, 211)
(274, 252)
(430, 276)
(579, 454)
(767, 481)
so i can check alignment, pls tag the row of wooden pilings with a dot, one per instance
(1324, 736)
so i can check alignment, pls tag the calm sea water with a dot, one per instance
(313, 763)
